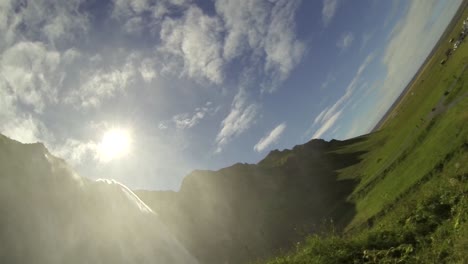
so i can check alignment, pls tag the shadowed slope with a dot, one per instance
(251, 211)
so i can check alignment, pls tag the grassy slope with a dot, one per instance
(411, 201)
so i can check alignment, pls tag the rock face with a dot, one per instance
(49, 214)
(251, 211)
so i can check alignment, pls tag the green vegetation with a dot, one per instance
(428, 225)
(411, 200)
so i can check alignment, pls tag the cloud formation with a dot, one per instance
(239, 119)
(100, 84)
(22, 127)
(30, 73)
(330, 115)
(345, 41)
(59, 69)
(194, 43)
(49, 60)
(262, 29)
(188, 120)
(76, 151)
(147, 70)
(329, 10)
(327, 124)
(271, 138)
(52, 21)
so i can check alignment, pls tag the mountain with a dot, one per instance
(234, 215)
(49, 214)
(248, 212)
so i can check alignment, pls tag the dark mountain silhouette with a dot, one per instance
(48, 214)
(252, 211)
(245, 212)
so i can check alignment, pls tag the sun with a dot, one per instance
(115, 144)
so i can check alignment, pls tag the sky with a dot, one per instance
(146, 91)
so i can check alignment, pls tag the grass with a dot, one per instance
(411, 204)
(413, 143)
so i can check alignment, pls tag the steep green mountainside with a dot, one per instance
(250, 211)
(411, 203)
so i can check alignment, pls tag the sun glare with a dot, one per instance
(115, 144)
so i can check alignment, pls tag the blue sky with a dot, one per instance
(203, 84)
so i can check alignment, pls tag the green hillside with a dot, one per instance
(411, 204)
(397, 195)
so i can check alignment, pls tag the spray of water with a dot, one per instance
(51, 215)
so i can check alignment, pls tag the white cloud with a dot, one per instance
(61, 26)
(283, 50)
(128, 9)
(76, 151)
(98, 84)
(147, 70)
(329, 10)
(259, 28)
(320, 116)
(8, 23)
(328, 117)
(31, 73)
(271, 138)
(25, 129)
(328, 123)
(345, 41)
(18, 125)
(183, 121)
(162, 126)
(240, 118)
(330, 111)
(134, 25)
(71, 55)
(200, 46)
(194, 42)
(188, 120)
(7, 100)
(246, 23)
(14, 123)
(51, 20)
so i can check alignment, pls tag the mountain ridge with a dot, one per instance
(260, 209)
(237, 214)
